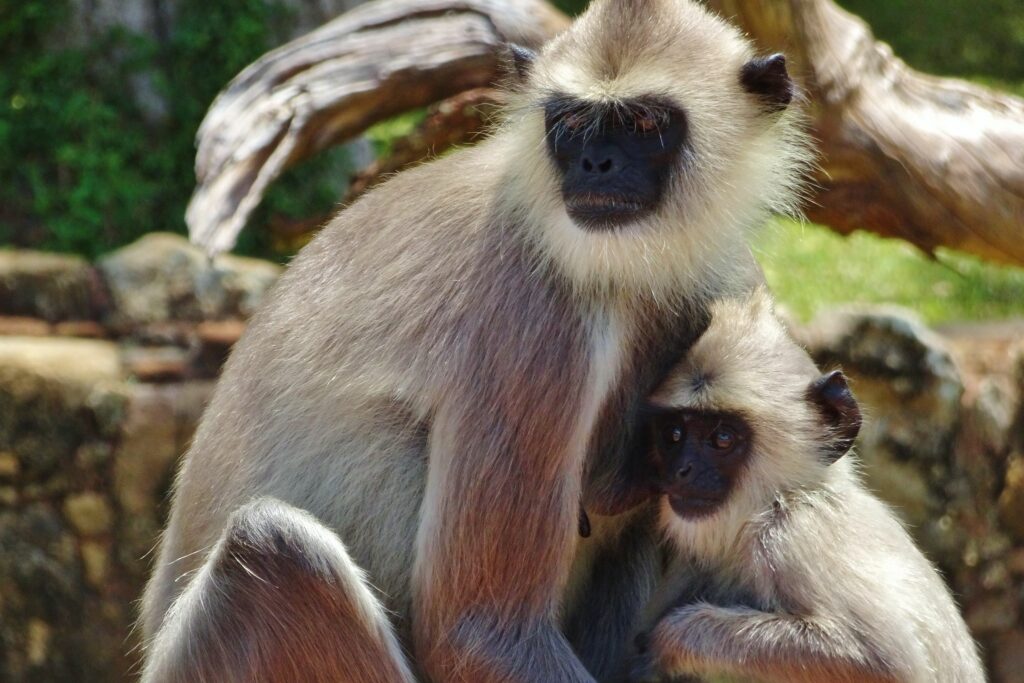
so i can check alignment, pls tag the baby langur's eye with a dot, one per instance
(723, 439)
(675, 434)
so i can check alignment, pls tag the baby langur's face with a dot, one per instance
(697, 457)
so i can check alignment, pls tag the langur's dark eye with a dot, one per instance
(723, 439)
(572, 121)
(645, 122)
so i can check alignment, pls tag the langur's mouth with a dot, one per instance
(604, 211)
(691, 507)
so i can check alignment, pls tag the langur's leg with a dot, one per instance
(278, 599)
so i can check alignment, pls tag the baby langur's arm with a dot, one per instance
(701, 638)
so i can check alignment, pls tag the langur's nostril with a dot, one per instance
(684, 472)
(599, 167)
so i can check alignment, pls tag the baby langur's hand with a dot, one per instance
(642, 666)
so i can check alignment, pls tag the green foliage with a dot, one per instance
(383, 135)
(570, 6)
(956, 37)
(968, 38)
(85, 167)
(812, 269)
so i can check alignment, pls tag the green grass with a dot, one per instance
(812, 269)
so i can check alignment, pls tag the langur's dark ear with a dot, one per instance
(519, 61)
(839, 411)
(768, 79)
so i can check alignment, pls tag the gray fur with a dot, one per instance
(428, 377)
(804, 575)
(266, 607)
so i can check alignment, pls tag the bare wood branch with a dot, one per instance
(936, 161)
(447, 123)
(382, 58)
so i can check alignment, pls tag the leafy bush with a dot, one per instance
(85, 167)
(954, 37)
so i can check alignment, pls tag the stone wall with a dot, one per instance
(104, 372)
(105, 368)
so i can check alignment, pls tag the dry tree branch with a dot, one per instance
(935, 161)
(378, 60)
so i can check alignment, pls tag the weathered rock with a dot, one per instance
(48, 286)
(162, 278)
(78, 363)
(93, 455)
(56, 623)
(1008, 657)
(1011, 500)
(89, 513)
(45, 386)
(24, 327)
(157, 364)
(9, 465)
(80, 328)
(910, 391)
(214, 341)
(108, 403)
(1017, 429)
(158, 425)
(994, 408)
(995, 614)
(43, 612)
(899, 362)
(96, 562)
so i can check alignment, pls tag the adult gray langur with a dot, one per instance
(454, 365)
(785, 569)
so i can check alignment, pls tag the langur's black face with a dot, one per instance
(615, 159)
(697, 458)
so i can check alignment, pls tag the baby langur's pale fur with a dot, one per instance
(453, 364)
(802, 575)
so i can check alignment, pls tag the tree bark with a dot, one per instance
(462, 117)
(378, 60)
(935, 161)
(938, 162)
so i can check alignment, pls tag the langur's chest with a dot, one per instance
(608, 350)
(647, 345)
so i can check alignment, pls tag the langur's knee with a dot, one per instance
(279, 599)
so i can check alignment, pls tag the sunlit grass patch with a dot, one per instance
(812, 269)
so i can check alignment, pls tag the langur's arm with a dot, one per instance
(499, 523)
(708, 639)
(622, 581)
(278, 599)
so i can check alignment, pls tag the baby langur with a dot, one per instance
(786, 568)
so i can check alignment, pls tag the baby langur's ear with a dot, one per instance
(768, 79)
(519, 62)
(839, 411)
